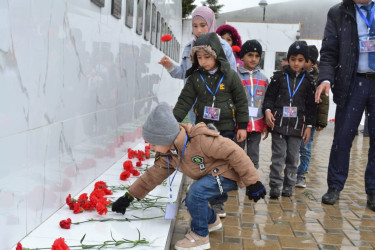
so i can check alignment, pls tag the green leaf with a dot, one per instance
(82, 239)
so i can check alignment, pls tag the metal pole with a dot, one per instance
(264, 13)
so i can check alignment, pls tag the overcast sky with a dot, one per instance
(231, 5)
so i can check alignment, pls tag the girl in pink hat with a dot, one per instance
(230, 34)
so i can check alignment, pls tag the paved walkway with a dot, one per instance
(300, 221)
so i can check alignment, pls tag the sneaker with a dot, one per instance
(301, 181)
(287, 191)
(193, 241)
(274, 192)
(219, 210)
(216, 225)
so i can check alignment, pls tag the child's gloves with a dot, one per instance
(256, 191)
(120, 205)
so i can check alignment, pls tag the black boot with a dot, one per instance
(331, 196)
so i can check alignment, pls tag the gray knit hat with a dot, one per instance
(161, 127)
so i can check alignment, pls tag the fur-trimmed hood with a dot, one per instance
(209, 42)
(225, 28)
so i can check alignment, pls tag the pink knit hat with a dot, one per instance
(207, 15)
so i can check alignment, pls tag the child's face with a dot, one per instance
(206, 61)
(160, 148)
(308, 65)
(297, 62)
(251, 60)
(227, 38)
(199, 27)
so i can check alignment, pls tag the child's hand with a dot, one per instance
(166, 62)
(241, 135)
(306, 135)
(270, 119)
(265, 133)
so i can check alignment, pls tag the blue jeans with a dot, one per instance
(224, 197)
(200, 193)
(361, 95)
(305, 155)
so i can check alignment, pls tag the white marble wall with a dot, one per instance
(76, 84)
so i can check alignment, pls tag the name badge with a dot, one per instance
(170, 211)
(253, 112)
(289, 111)
(367, 46)
(211, 113)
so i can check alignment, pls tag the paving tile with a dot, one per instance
(230, 221)
(360, 235)
(285, 216)
(229, 246)
(241, 232)
(307, 227)
(260, 244)
(271, 229)
(297, 243)
(335, 224)
(332, 239)
(258, 219)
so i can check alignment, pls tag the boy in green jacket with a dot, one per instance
(218, 92)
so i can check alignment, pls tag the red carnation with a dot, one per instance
(147, 147)
(128, 165)
(236, 48)
(68, 200)
(135, 172)
(88, 205)
(83, 197)
(100, 185)
(107, 191)
(101, 206)
(166, 38)
(124, 175)
(139, 164)
(65, 224)
(96, 195)
(59, 244)
(331, 120)
(147, 154)
(19, 246)
(77, 208)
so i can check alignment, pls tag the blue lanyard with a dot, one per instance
(169, 177)
(248, 88)
(295, 91)
(217, 88)
(368, 22)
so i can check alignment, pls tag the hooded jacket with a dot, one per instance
(206, 153)
(277, 97)
(230, 97)
(256, 124)
(339, 53)
(179, 71)
(236, 38)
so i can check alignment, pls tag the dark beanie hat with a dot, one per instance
(299, 47)
(251, 46)
(313, 53)
(161, 127)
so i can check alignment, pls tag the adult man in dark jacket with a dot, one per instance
(348, 66)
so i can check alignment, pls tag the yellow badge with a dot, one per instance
(222, 86)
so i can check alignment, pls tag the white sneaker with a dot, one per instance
(193, 241)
